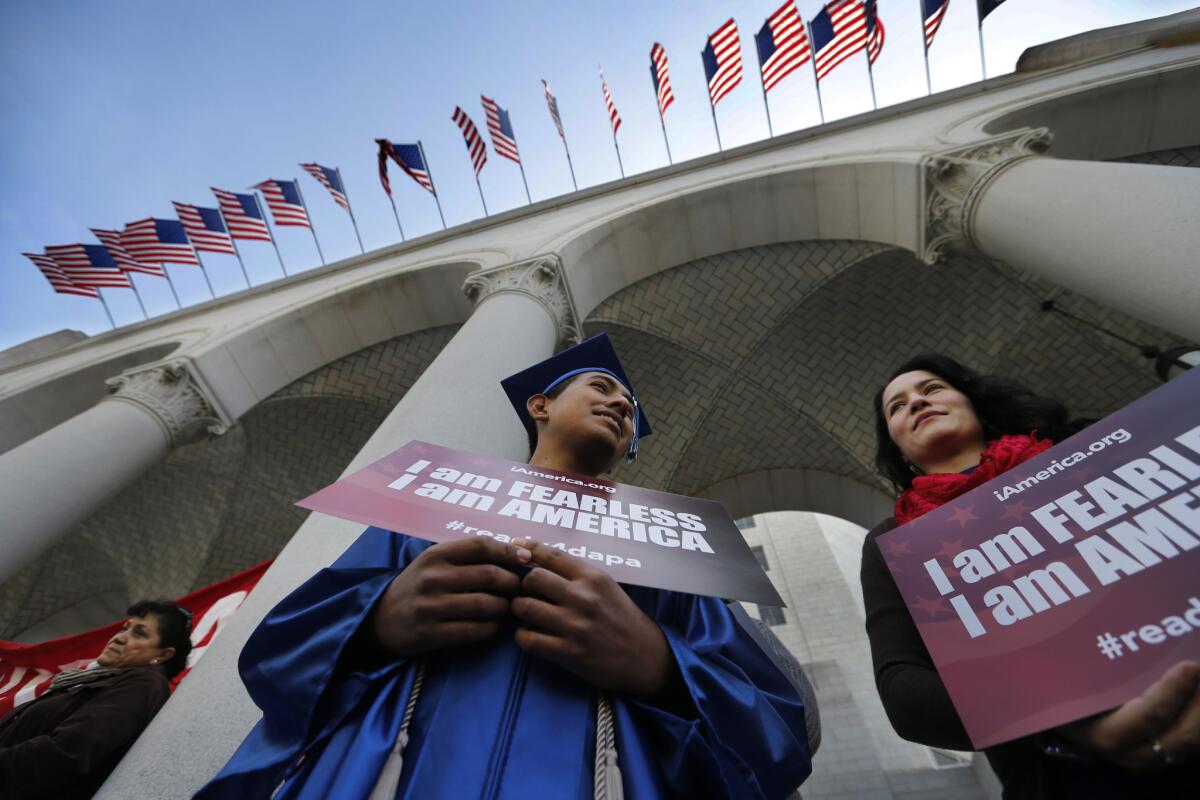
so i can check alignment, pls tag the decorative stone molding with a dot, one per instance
(172, 394)
(541, 278)
(955, 180)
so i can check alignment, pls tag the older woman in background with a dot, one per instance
(65, 743)
(941, 431)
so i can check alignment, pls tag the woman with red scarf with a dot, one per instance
(941, 431)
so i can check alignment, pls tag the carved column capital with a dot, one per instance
(173, 395)
(955, 180)
(542, 279)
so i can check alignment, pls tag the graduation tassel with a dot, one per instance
(389, 777)
(607, 783)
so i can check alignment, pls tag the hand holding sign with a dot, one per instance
(453, 593)
(576, 615)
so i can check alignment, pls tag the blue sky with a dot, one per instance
(112, 109)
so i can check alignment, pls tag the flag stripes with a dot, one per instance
(112, 243)
(88, 265)
(552, 104)
(243, 215)
(500, 128)
(58, 279)
(782, 45)
(475, 146)
(204, 228)
(158, 241)
(283, 198)
(329, 179)
(662, 81)
(723, 61)
(838, 32)
(933, 11)
(408, 158)
(874, 31)
(613, 117)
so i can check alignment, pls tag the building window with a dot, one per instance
(772, 615)
(761, 557)
(744, 524)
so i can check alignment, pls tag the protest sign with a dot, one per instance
(1067, 585)
(639, 536)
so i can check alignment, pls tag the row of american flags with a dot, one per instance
(784, 44)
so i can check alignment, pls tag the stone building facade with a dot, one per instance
(758, 296)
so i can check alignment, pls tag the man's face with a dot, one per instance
(592, 415)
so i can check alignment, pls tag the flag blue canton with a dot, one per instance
(986, 7)
(654, 76)
(410, 155)
(170, 231)
(332, 176)
(505, 123)
(822, 30)
(212, 219)
(710, 61)
(249, 206)
(99, 256)
(765, 41)
(288, 188)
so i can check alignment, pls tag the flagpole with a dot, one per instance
(522, 168)
(311, 229)
(204, 272)
(925, 48)
(816, 81)
(870, 75)
(713, 108)
(349, 210)
(170, 282)
(104, 302)
(271, 233)
(766, 105)
(662, 122)
(136, 294)
(396, 215)
(236, 250)
(429, 172)
(570, 166)
(982, 58)
(479, 186)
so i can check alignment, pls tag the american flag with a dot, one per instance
(499, 126)
(838, 32)
(933, 11)
(408, 158)
(58, 279)
(613, 116)
(283, 198)
(552, 104)
(158, 241)
(874, 31)
(985, 7)
(723, 61)
(244, 216)
(88, 265)
(782, 45)
(205, 229)
(112, 243)
(662, 81)
(471, 136)
(330, 179)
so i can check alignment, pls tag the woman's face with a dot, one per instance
(928, 419)
(136, 644)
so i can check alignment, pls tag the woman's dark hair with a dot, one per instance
(174, 630)
(1004, 407)
(553, 393)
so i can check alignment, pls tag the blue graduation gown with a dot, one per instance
(492, 721)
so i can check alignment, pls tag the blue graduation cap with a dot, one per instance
(594, 355)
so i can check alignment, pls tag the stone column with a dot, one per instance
(56, 480)
(522, 311)
(1122, 234)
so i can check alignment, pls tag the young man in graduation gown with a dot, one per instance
(475, 668)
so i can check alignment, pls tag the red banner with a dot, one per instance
(26, 670)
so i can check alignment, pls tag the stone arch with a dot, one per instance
(798, 489)
(872, 201)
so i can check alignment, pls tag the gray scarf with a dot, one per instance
(75, 677)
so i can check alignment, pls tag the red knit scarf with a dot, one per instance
(930, 491)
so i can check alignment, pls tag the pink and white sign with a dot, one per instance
(1069, 584)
